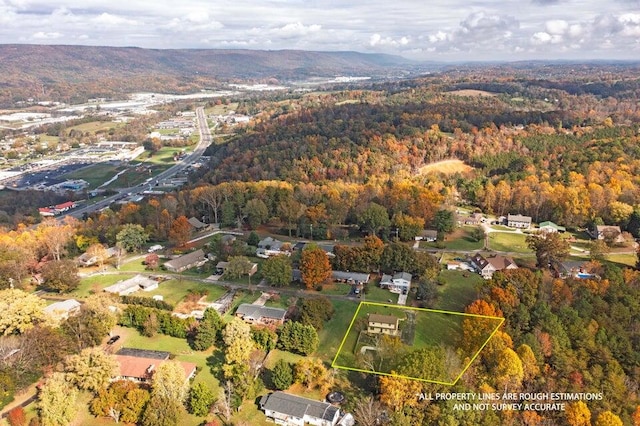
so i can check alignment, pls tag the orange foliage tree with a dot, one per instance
(314, 267)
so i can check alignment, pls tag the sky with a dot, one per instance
(438, 30)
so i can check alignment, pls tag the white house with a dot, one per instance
(291, 410)
(518, 221)
(133, 284)
(271, 247)
(62, 310)
(398, 283)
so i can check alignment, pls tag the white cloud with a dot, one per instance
(378, 40)
(107, 19)
(40, 35)
(557, 26)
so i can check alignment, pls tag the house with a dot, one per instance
(608, 232)
(268, 247)
(429, 235)
(63, 207)
(398, 283)
(133, 284)
(86, 259)
(187, 261)
(291, 410)
(472, 219)
(487, 265)
(383, 324)
(548, 226)
(518, 221)
(138, 365)
(46, 212)
(571, 268)
(222, 266)
(258, 314)
(350, 277)
(198, 225)
(62, 310)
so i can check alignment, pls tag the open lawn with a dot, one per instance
(98, 282)
(96, 126)
(95, 175)
(334, 329)
(471, 93)
(174, 291)
(461, 239)
(376, 294)
(458, 291)
(421, 328)
(446, 167)
(508, 242)
(221, 109)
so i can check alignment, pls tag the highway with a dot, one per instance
(203, 143)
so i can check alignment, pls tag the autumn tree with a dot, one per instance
(91, 369)
(99, 252)
(277, 270)
(607, 418)
(476, 330)
(201, 398)
(169, 389)
(54, 236)
(257, 212)
(132, 237)
(122, 400)
(61, 275)
(20, 311)
(578, 414)
(311, 373)
(373, 218)
(316, 312)
(92, 324)
(238, 345)
(508, 372)
(598, 250)
(57, 401)
(238, 266)
(180, 231)
(289, 211)
(550, 248)
(397, 392)
(314, 267)
(397, 257)
(17, 417)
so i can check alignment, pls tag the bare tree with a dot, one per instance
(369, 412)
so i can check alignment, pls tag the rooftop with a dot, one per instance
(296, 406)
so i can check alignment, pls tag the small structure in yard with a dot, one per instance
(550, 227)
(291, 410)
(518, 221)
(262, 315)
(139, 282)
(187, 261)
(398, 283)
(383, 324)
(197, 224)
(59, 311)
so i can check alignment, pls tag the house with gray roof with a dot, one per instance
(518, 221)
(133, 284)
(268, 247)
(398, 283)
(291, 410)
(258, 314)
(189, 260)
(197, 224)
(350, 277)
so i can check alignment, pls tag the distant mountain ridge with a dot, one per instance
(43, 70)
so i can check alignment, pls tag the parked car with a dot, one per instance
(155, 248)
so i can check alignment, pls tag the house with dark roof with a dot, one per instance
(197, 224)
(188, 261)
(133, 284)
(291, 410)
(487, 265)
(269, 246)
(429, 235)
(518, 221)
(258, 314)
(383, 324)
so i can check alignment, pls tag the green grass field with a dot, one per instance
(458, 290)
(460, 239)
(508, 242)
(334, 329)
(96, 126)
(431, 329)
(174, 291)
(222, 109)
(95, 175)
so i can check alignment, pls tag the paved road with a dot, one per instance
(205, 141)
